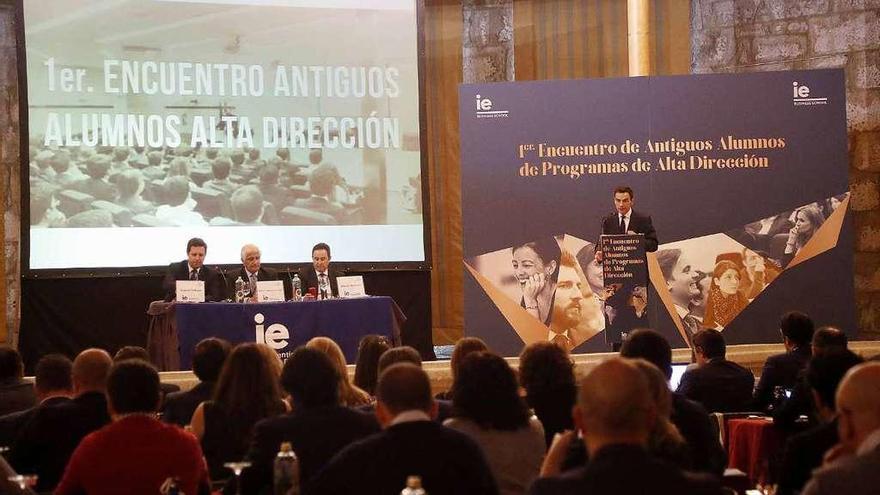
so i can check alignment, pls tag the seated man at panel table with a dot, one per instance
(319, 274)
(716, 383)
(251, 270)
(192, 268)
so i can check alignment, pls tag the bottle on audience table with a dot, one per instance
(297, 288)
(286, 471)
(239, 290)
(413, 486)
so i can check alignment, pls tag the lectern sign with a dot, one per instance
(625, 275)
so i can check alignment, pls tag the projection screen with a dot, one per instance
(277, 122)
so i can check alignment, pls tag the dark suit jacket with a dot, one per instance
(638, 223)
(12, 423)
(803, 453)
(447, 461)
(310, 279)
(701, 435)
(781, 370)
(215, 288)
(623, 470)
(180, 406)
(719, 385)
(16, 395)
(46, 443)
(316, 435)
(263, 274)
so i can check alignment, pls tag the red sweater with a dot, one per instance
(134, 455)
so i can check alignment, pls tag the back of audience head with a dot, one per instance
(176, 190)
(402, 354)
(651, 346)
(272, 358)
(131, 352)
(90, 371)
(311, 379)
(709, 344)
(248, 384)
(403, 387)
(154, 158)
(463, 348)
(269, 174)
(11, 365)
(546, 371)
(208, 358)
(221, 167)
(53, 376)
(98, 166)
(130, 183)
(247, 204)
(824, 374)
(828, 338)
(133, 387)
(366, 369)
(614, 405)
(486, 392)
(858, 404)
(797, 329)
(323, 179)
(349, 393)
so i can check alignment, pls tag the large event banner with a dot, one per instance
(744, 177)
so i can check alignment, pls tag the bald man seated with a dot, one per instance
(615, 414)
(852, 466)
(46, 443)
(251, 271)
(447, 461)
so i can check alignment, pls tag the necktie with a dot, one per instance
(323, 285)
(194, 275)
(622, 225)
(253, 284)
(562, 341)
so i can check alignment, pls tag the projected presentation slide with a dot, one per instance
(277, 122)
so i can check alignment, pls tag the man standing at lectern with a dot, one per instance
(192, 268)
(319, 275)
(251, 271)
(627, 221)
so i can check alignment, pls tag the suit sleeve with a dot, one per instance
(764, 390)
(215, 287)
(650, 235)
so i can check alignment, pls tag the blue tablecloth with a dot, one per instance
(286, 326)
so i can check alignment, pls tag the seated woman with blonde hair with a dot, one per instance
(349, 394)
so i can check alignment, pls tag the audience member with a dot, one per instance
(221, 167)
(47, 441)
(318, 426)
(96, 184)
(52, 385)
(131, 185)
(463, 348)
(547, 375)
(137, 352)
(207, 361)
(615, 415)
(487, 407)
(447, 461)
(688, 416)
(136, 453)
(43, 211)
(781, 371)
(716, 383)
(804, 451)
(322, 182)
(350, 394)
(65, 175)
(366, 367)
(15, 393)
(278, 196)
(246, 392)
(247, 205)
(858, 453)
(828, 338)
(407, 354)
(178, 207)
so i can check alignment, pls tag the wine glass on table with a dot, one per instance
(237, 468)
(24, 481)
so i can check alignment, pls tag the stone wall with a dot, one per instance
(487, 41)
(10, 195)
(768, 35)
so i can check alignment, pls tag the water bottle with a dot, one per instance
(286, 471)
(239, 290)
(413, 486)
(297, 288)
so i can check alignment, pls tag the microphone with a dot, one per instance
(225, 281)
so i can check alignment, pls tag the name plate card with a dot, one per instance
(190, 291)
(351, 286)
(270, 291)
